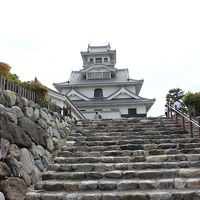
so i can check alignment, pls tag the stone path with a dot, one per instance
(128, 159)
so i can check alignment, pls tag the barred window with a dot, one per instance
(98, 93)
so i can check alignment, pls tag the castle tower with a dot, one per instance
(99, 86)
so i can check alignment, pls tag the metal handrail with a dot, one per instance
(184, 117)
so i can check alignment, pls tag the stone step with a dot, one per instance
(126, 174)
(139, 137)
(140, 141)
(101, 151)
(103, 167)
(125, 131)
(132, 139)
(126, 159)
(121, 124)
(132, 143)
(153, 194)
(118, 185)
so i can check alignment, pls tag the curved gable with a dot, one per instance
(123, 94)
(74, 95)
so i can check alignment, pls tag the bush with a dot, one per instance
(192, 101)
(41, 91)
(4, 69)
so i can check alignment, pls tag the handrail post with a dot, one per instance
(191, 128)
(171, 113)
(199, 127)
(183, 121)
(176, 116)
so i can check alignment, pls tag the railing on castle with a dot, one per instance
(62, 111)
(188, 123)
(6, 84)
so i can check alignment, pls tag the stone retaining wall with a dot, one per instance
(30, 136)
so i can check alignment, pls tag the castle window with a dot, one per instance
(105, 60)
(106, 75)
(90, 75)
(98, 75)
(98, 93)
(91, 60)
(98, 60)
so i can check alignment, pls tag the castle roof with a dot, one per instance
(122, 77)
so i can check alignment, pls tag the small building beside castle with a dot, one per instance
(100, 87)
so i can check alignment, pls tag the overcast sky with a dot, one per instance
(157, 40)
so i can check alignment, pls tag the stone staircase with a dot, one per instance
(127, 159)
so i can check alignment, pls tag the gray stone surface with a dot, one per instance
(13, 133)
(14, 151)
(14, 165)
(50, 144)
(10, 97)
(160, 196)
(27, 160)
(13, 188)
(35, 132)
(88, 185)
(36, 114)
(5, 144)
(17, 111)
(107, 185)
(2, 99)
(39, 164)
(28, 165)
(128, 185)
(28, 111)
(4, 170)
(44, 116)
(11, 116)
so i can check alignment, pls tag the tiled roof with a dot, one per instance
(77, 79)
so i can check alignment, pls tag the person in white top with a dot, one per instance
(166, 110)
(97, 116)
(177, 105)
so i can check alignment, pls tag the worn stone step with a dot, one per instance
(103, 167)
(125, 159)
(154, 194)
(106, 137)
(101, 151)
(131, 136)
(173, 194)
(118, 185)
(133, 143)
(125, 145)
(126, 126)
(134, 130)
(126, 174)
(70, 144)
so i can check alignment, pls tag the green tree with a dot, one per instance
(175, 94)
(192, 101)
(4, 68)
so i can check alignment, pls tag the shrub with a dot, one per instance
(192, 101)
(4, 69)
(41, 91)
